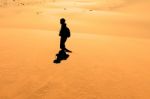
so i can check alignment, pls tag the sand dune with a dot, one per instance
(117, 66)
(110, 43)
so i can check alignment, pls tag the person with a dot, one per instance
(64, 34)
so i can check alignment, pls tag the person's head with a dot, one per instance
(62, 21)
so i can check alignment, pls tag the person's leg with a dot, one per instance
(65, 39)
(62, 43)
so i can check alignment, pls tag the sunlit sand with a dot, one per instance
(110, 42)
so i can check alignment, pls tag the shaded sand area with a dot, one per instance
(110, 59)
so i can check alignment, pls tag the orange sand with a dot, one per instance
(110, 43)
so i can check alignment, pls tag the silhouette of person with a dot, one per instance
(64, 34)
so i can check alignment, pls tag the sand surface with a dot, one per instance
(110, 43)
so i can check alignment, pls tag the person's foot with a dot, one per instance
(68, 51)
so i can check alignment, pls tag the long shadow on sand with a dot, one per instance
(61, 55)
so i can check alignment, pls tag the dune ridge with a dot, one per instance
(98, 4)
